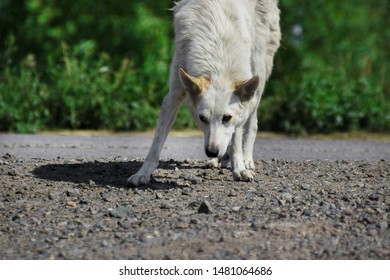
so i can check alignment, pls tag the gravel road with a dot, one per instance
(64, 197)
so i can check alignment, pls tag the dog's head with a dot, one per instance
(218, 107)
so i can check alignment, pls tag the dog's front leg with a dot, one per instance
(166, 118)
(240, 173)
(250, 131)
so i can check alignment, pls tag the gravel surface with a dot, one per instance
(78, 207)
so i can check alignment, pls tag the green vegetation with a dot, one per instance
(330, 74)
(105, 64)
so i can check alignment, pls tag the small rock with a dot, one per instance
(232, 193)
(124, 224)
(374, 197)
(192, 178)
(72, 192)
(347, 211)
(306, 212)
(287, 197)
(159, 195)
(13, 173)
(83, 201)
(165, 206)
(194, 205)
(182, 225)
(383, 225)
(257, 225)
(366, 219)
(84, 233)
(147, 238)
(71, 204)
(17, 217)
(305, 187)
(119, 212)
(194, 222)
(9, 157)
(186, 191)
(107, 198)
(282, 214)
(315, 197)
(53, 195)
(91, 183)
(321, 192)
(205, 208)
(236, 208)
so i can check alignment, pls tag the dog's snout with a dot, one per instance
(212, 152)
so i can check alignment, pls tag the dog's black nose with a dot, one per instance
(212, 154)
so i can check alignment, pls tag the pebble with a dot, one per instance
(71, 204)
(181, 225)
(287, 197)
(9, 157)
(306, 212)
(194, 222)
(384, 225)
(107, 197)
(13, 173)
(186, 191)
(233, 193)
(72, 192)
(205, 207)
(305, 187)
(119, 212)
(165, 206)
(124, 224)
(347, 211)
(375, 197)
(54, 195)
(192, 178)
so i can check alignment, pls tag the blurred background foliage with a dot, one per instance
(91, 64)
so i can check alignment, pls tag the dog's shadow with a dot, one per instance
(100, 174)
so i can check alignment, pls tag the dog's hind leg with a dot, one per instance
(165, 121)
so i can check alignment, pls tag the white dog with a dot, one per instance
(223, 57)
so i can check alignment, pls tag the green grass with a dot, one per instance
(106, 66)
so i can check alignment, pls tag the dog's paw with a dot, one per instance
(249, 164)
(138, 180)
(222, 162)
(213, 163)
(244, 175)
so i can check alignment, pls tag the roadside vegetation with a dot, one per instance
(105, 65)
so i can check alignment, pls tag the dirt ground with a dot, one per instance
(80, 208)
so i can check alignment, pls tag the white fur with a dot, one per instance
(224, 42)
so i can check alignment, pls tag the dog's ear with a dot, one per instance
(192, 85)
(246, 90)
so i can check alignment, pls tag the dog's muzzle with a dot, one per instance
(212, 153)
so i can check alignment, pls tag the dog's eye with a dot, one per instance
(203, 118)
(226, 118)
